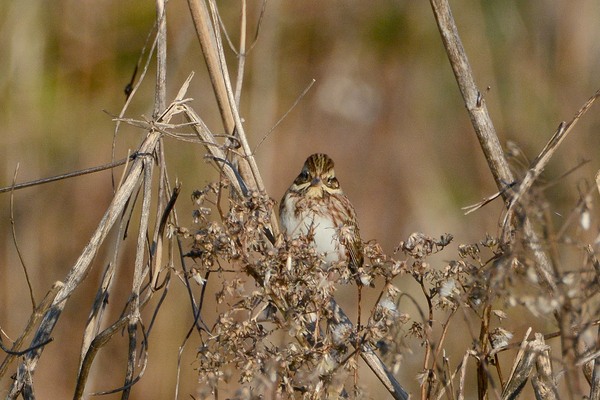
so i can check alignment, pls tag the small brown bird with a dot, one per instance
(316, 203)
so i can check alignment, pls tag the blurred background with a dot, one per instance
(384, 106)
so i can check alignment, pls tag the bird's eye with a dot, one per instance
(303, 176)
(332, 182)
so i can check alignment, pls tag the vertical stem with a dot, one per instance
(482, 377)
(473, 98)
(215, 60)
(595, 384)
(241, 56)
(484, 129)
(206, 36)
(160, 103)
(490, 145)
(426, 386)
(160, 95)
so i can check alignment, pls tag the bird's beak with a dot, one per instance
(315, 182)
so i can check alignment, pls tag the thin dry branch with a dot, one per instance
(160, 93)
(141, 270)
(92, 350)
(96, 313)
(23, 382)
(81, 268)
(34, 318)
(595, 383)
(543, 382)
(484, 128)
(463, 374)
(539, 164)
(368, 355)
(160, 102)
(473, 98)
(206, 37)
(524, 362)
(16, 242)
(18, 186)
(95, 319)
(241, 56)
(131, 88)
(212, 48)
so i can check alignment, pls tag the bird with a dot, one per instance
(315, 205)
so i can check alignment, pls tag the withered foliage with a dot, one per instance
(274, 294)
(452, 318)
(277, 332)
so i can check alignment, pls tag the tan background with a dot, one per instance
(384, 105)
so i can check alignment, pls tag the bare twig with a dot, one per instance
(24, 351)
(484, 332)
(212, 49)
(484, 128)
(160, 93)
(473, 99)
(133, 89)
(80, 172)
(368, 355)
(80, 269)
(300, 97)
(34, 318)
(156, 250)
(463, 374)
(139, 274)
(524, 363)
(99, 341)
(206, 36)
(15, 241)
(543, 382)
(241, 57)
(539, 164)
(96, 313)
(160, 100)
(595, 384)
(23, 382)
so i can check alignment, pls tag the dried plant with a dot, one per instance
(276, 330)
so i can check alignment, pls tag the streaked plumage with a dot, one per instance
(316, 201)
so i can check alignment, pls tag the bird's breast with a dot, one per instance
(304, 217)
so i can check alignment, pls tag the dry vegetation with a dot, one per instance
(510, 314)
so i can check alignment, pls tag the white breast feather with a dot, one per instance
(326, 237)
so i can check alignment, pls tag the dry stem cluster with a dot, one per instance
(279, 331)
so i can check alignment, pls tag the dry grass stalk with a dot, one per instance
(544, 384)
(281, 333)
(214, 56)
(548, 273)
(595, 381)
